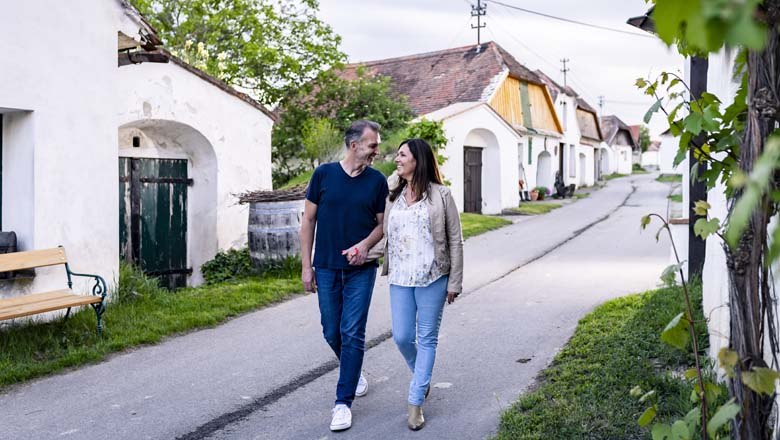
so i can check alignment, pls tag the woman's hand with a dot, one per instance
(451, 297)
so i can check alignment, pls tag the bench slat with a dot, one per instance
(37, 304)
(32, 259)
(29, 299)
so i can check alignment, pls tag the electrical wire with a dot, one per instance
(568, 20)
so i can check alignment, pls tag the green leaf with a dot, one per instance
(691, 373)
(680, 431)
(774, 248)
(669, 275)
(761, 380)
(645, 221)
(646, 396)
(693, 418)
(723, 415)
(704, 228)
(756, 187)
(673, 83)
(692, 123)
(661, 431)
(654, 108)
(641, 83)
(711, 391)
(647, 416)
(676, 332)
(700, 207)
(728, 359)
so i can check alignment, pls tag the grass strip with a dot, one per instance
(535, 208)
(142, 314)
(475, 224)
(669, 178)
(614, 176)
(584, 393)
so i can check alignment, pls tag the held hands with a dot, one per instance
(451, 297)
(309, 284)
(356, 255)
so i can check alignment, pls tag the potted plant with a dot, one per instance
(542, 191)
(534, 195)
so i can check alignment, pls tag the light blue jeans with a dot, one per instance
(416, 317)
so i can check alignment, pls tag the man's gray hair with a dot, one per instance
(356, 129)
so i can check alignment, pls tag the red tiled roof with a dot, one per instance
(435, 80)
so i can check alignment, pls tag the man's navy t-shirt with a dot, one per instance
(346, 211)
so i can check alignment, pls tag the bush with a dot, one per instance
(228, 265)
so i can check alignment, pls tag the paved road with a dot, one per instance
(269, 374)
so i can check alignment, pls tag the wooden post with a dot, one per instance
(697, 188)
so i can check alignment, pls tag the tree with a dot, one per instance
(340, 102)
(321, 142)
(270, 48)
(644, 138)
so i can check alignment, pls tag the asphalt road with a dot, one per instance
(269, 374)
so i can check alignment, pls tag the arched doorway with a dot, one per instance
(481, 172)
(544, 173)
(167, 199)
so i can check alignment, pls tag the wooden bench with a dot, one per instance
(35, 303)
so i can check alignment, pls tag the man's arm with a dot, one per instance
(359, 257)
(308, 222)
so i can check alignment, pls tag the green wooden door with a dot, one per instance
(153, 217)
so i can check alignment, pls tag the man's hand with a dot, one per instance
(356, 255)
(309, 284)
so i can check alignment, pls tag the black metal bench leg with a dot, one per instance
(67, 313)
(99, 309)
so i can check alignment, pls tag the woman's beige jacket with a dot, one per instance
(447, 235)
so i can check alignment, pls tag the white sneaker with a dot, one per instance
(362, 386)
(342, 418)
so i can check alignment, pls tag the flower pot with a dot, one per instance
(534, 195)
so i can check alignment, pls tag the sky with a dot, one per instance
(601, 63)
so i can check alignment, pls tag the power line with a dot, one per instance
(567, 20)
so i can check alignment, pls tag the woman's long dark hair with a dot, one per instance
(425, 172)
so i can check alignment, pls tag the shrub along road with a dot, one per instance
(269, 374)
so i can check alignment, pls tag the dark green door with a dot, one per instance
(153, 217)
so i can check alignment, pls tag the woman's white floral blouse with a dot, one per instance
(410, 250)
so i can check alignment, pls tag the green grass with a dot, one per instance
(676, 198)
(142, 314)
(581, 195)
(669, 178)
(535, 208)
(584, 394)
(614, 176)
(300, 179)
(475, 224)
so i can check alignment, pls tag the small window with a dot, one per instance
(530, 151)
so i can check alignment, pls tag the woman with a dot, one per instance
(424, 260)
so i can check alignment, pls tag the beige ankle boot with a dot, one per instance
(416, 420)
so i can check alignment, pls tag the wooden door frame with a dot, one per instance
(478, 202)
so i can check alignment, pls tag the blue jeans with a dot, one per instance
(416, 318)
(344, 297)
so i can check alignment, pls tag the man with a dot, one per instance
(346, 202)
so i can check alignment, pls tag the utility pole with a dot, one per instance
(601, 104)
(564, 70)
(478, 11)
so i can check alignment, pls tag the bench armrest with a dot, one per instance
(99, 289)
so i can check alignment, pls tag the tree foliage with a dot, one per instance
(267, 47)
(340, 102)
(644, 138)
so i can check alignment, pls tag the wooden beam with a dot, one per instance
(126, 58)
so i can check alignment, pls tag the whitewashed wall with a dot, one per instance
(650, 159)
(60, 175)
(228, 143)
(667, 153)
(623, 159)
(480, 126)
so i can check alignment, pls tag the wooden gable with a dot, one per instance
(588, 125)
(526, 104)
